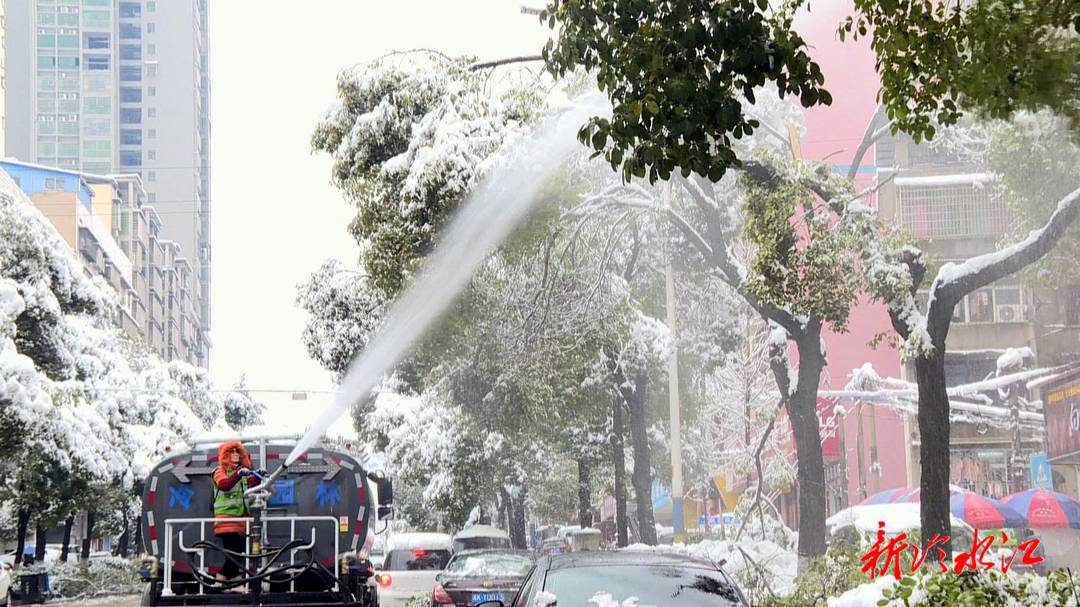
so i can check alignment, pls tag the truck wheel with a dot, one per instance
(147, 596)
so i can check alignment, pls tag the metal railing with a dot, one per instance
(203, 522)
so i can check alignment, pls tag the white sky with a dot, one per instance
(275, 217)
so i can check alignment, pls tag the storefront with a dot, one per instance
(1060, 395)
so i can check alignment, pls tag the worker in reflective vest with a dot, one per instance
(231, 479)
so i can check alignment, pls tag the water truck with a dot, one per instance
(307, 536)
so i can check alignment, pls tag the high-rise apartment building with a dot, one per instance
(120, 87)
(3, 79)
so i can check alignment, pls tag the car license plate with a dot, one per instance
(483, 597)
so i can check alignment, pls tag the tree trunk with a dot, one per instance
(642, 476)
(584, 494)
(90, 517)
(618, 455)
(934, 446)
(122, 542)
(39, 549)
(805, 426)
(138, 536)
(66, 549)
(20, 545)
(517, 539)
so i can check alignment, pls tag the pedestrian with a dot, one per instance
(231, 479)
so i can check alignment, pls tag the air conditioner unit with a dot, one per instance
(1009, 313)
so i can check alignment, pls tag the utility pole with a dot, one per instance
(875, 463)
(860, 446)
(677, 516)
(840, 437)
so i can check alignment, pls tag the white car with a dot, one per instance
(413, 561)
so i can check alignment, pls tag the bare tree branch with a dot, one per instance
(871, 135)
(506, 61)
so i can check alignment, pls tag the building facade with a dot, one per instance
(117, 237)
(120, 87)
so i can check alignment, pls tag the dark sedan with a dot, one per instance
(585, 579)
(478, 576)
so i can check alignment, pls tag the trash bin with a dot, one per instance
(33, 587)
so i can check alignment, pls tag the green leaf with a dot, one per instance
(652, 106)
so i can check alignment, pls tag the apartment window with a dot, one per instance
(130, 73)
(97, 2)
(45, 150)
(131, 158)
(151, 133)
(68, 63)
(151, 112)
(130, 115)
(150, 28)
(67, 41)
(131, 136)
(54, 184)
(151, 91)
(71, 83)
(97, 63)
(151, 197)
(46, 128)
(67, 106)
(46, 41)
(130, 94)
(97, 41)
(151, 155)
(131, 52)
(131, 31)
(151, 7)
(151, 69)
(151, 176)
(952, 210)
(97, 105)
(45, 62)
(97, 127)
(95, 19)
(100, 168)
(130, 10)
(97, 149)
(44, 18)
(46, 105)
(151, 49)
(981, 306)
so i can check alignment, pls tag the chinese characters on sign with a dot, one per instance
(975, 559)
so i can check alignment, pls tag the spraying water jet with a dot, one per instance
(500, 202)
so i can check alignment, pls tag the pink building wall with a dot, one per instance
(851, 79)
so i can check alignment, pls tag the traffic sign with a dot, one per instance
(1041, 475)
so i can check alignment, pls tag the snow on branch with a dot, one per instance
(956, 280)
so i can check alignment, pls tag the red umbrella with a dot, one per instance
(1046, 509)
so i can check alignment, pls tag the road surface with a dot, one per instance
(112, 601)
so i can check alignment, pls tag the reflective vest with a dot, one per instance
(231, 502)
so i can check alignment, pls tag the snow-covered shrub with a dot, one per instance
(839, 571)
(100, 576)
(975, 588)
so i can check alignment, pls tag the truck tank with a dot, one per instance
(308, 535)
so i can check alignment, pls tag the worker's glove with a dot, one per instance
(262, 472)
(244, 472)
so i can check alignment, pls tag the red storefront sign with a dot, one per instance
(1062, 409)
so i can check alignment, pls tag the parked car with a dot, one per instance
(477, 576)
(413, 560)
(555, 545)
(644, 578)
(378, 557)
(7, 579)
(480, 537)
